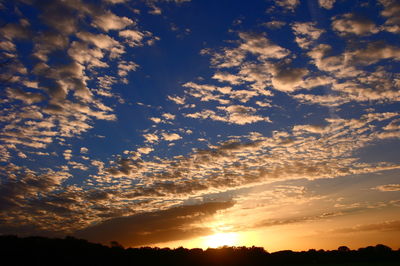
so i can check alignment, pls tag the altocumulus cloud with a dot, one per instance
(177, 223)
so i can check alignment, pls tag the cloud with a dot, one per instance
(158, 181)
(275, 24)
(389, 135)
(26, 185)
(258, 44)
(203, 88)
(61, 93)
(243, 95)
(288, 4)
(155, 119)
(306, 33)
(286, 78)
(176, 99)
(204, 114)
(208, 92)
(234, 114)
(84, 150)
(151, 137)
(13, 31)
(170, 136)
(335, 64)
(168, 116)
(227, 77)
(86, 56)
(61, 15)
(125, 67)
(311, 128)
(134, 37)
(327, 4)
(392, 12)
(156, 10)
(101, 41)
(364, 86)
(239, 114)
(76, 165)
(50, 101)
(145, 150)
(387, 226)
(67, 155)
(250, 44)
(354, 24)
(142, 229)
(27, 97)
(7, 46)
(48, 42)
(109, 21)
(116, 1)
(393, 125)
(374, 52)
(388, 187)
(124, 168)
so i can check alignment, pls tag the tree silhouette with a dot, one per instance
(73, 251)
(343, 249)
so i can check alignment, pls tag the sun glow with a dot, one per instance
(220, 239)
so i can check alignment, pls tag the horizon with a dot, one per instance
(71, 250)
(197, 123)
(115, 244)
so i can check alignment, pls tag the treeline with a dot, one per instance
(71, 251)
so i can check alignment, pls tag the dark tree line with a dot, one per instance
(72, 251)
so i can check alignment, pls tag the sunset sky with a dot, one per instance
(201, 123)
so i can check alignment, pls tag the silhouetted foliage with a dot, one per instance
(343, 249)
(72, 251)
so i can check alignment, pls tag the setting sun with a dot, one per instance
(220, 239)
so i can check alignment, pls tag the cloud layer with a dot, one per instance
(115, 128)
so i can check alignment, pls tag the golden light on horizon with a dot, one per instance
(221, 239)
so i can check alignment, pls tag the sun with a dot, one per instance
(220, 239)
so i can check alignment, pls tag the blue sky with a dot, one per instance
(177, 122)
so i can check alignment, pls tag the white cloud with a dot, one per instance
(288, 4)
(27, 97)
(311, 128)
(125, 67)
(116, 1)
(233, 114)
(306, 33)
(352, 24)
(286, 78)
(260, 45)
(168, 116)
(374, 52)
(101, 41)
(177, 99)
(392, 12)
(275, 24)
(134, 37)
(155, 119)
(327, 4)
(67, 155)
(150, 137)
(145, 150)
(170, 136)
(388, 187)
(110, 21)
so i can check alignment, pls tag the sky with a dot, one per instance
(201, 123)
